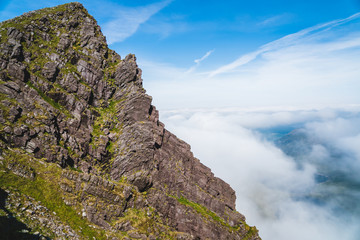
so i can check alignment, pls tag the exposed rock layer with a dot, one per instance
(66, 99)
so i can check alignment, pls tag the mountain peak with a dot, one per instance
(80, 140)
(68, 9)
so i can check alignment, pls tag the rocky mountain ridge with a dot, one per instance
(83, 153)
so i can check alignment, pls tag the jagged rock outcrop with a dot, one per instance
(80, 141)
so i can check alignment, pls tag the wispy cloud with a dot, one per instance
(197, 61)
(117, 22)
(127, 20)
(237, 63)
(275, 20)
(286, 41)
(316, 67)
(167, 25)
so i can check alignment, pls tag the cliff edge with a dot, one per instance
(82, 151)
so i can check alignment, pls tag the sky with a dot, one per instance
(265, 92)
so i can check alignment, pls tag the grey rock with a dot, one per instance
(17, 71)
(83, 108)
(50, 70)
(14, 35)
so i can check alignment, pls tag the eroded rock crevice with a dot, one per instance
(77, 126)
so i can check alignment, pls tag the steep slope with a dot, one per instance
(83, 153)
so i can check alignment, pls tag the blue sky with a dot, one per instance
(222, 72)
(197, 54)
(180, 31)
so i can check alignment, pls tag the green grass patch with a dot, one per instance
(49, 100)
(45, 188)
(251, 231)
(107, 119)
(208, 214)
(203, 211)
(147, 222)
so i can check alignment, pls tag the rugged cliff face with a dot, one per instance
(83, 153)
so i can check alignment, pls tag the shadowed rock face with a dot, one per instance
(67, 100)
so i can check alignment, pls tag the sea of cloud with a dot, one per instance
(277, 182)
(279, 193)
(294, 167)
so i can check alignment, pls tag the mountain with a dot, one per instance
(83, 154)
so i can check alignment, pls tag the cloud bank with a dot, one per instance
(278, 193)
(281, 125)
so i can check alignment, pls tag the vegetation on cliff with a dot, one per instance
(82, 151)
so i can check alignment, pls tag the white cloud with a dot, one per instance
(197, 61)
(275, 20)
(271, 189)
(316, 67)
(126, 20)
(339, 137)
(305, 73)
(283, 42)
(165, 26)
(335, 129)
